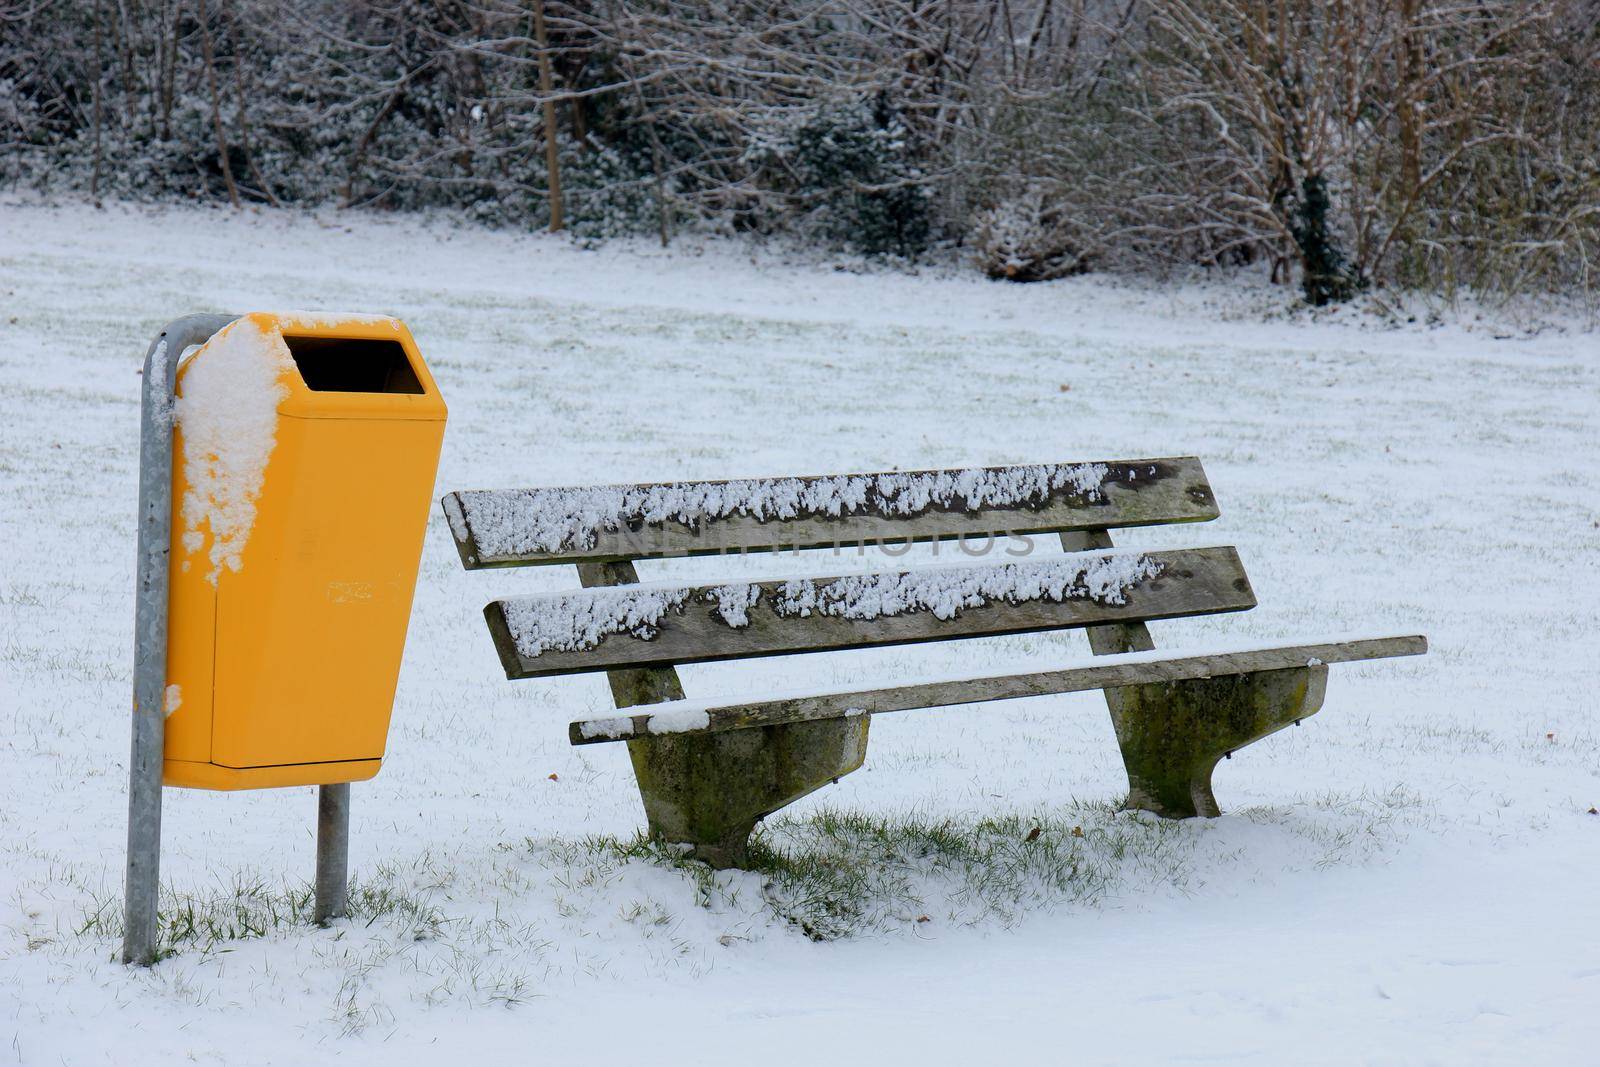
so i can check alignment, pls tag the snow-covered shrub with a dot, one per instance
(610, 192)
(1030, 237)
(850, 167)
(1433, 148)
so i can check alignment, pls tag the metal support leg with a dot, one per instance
(150, 631)
(333, 853)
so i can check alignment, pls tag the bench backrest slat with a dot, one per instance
(654, 625)
(524, 527)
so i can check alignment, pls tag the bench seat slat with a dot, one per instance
(1136, 669)
(527, 527)
(656, 625)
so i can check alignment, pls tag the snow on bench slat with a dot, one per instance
(522, 522)
(575, 622)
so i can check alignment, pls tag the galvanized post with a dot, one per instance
(333, 853)
(150, 630)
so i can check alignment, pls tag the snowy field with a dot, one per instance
(1413, 877)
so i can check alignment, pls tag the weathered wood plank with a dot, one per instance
(644, 626)
(525, 527)
(685, 718)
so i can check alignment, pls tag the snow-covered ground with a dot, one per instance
(1413, 877)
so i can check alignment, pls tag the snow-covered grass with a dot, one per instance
(1410, 878)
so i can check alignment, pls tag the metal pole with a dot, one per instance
(150, 630)
(333, 853)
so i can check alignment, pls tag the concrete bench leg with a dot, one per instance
(708, 790)
(1173, 733)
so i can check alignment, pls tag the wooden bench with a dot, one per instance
(708, 773)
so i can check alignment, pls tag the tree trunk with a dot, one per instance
(1410, 64)
(99, 108)
(241, 117)
(125, 58)
(552, 153)
(216, 105)
(359, 153)
(169, 73)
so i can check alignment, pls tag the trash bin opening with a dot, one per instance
(353, 365)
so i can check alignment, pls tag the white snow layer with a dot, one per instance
(946, 590)
(227, 412)
(521, 522)
(573, 622)
(676, 721)
(518, 915)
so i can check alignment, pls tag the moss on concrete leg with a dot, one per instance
(708, 790)
(1173, 733)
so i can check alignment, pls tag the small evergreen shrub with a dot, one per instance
(1327, 277)
(851, 168)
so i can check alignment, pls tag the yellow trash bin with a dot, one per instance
(303, 465)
